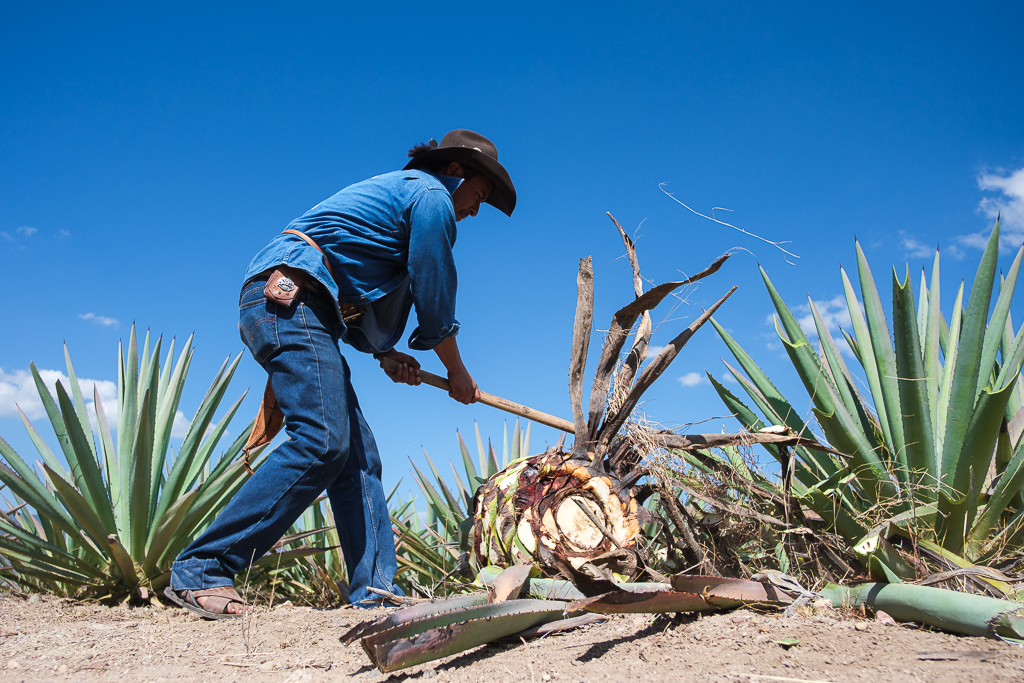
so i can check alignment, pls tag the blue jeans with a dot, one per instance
(329, 447)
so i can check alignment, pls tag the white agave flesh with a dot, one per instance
(576, 528)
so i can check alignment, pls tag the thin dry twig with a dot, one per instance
(777, 245)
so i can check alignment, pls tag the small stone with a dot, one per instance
(884, 618)
(862, 626)
(13, 664)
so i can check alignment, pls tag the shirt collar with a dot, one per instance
(450, 183)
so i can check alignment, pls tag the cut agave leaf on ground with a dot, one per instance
(557, 626)
(508, 584)
(407, 614)
(963, 613)
(686, 594)
(541, 589)
(651, 602)
(732, 589)
(452, 632)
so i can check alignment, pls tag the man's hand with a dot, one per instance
(406, 372)
(464, 388)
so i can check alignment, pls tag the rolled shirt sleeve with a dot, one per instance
(431, 265)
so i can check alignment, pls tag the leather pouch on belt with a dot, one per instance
(284, 285)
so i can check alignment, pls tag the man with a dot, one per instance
(350, 269)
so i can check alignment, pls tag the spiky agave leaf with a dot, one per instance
(109, 513)
(931, 437)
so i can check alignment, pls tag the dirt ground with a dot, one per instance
(52, 639)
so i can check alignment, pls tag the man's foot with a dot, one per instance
(222, 602)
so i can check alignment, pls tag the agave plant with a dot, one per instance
(937, 459)
(107, 519)
(431, 547)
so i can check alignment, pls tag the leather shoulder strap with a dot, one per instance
(310, 242)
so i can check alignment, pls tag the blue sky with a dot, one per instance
(148, 151)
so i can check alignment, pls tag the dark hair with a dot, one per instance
(440, 166)
(422, 147)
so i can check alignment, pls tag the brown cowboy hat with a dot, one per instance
(479, 154)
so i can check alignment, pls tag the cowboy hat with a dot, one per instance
(476, 152)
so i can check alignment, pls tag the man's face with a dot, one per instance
(469, 194)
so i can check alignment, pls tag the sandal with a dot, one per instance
(189, 599)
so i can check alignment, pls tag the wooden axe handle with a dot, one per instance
(494, 401)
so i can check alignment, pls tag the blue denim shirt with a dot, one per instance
(389, 241)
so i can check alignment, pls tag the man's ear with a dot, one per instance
(454, 170)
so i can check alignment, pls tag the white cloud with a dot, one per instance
(914, 248)
(180, 425)
(27, 230)
(101, 320)
(19, 389)
(692, 379)
(1008, 204)
(728, 378)
(834, 313)
(1011, 204)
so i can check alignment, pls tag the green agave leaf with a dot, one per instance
(89, 478)
(1005, 350)
(775, 404)
(211, 496)
(128, 410)
(802, 355)
(140, 483)
(41, 447)
(33, 549)
(864, 350)
(452, 508)
(958, 507)
(233, 452)
(434, 499)
(123, 562)
(166, 533)
(55, 417)
(84, 515)
(842, 379)
(915, 406)
(109, 456)
(166, 393)
(78, 401)
(963, 613)
(963, 393)
(946, 387)
(448, 633)
(176, 482)
(25, 484)
(465, 495)
(1009, 485)
(997, 323)
(933, 371)
(473, 479)
(885, 358)
(189, 464)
